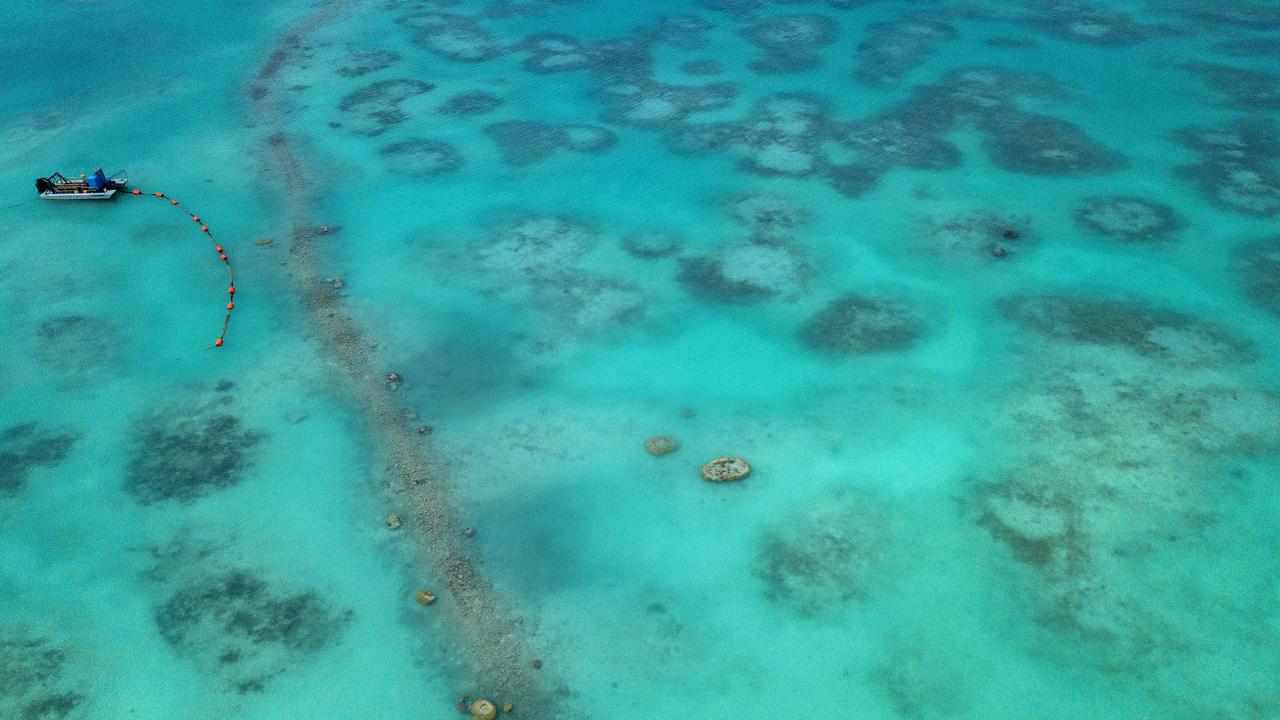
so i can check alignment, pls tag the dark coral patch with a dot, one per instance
(1260, 15)
(820, 558)
(790, 43)
(652, 244)
(705, 277)
(378, 105)
(239, 626)
(647, 103)
(702, 67)
(1260, 47)
(1128, 218)
(1091, 24)
(854, 325)
(32, 682)
(422, 158)
(470, 104)
(889, 142)
(1257, 265)
(745, 272)
(1037, 518)
(525, 8)
(765, 214)
(360, 62)
(76, 345)
(893, 49)
(554, 53)
(686, 32)
(1241, 89)
(525, 142)
(1237, 167)
(452, 36)
(1136, 326)
(186, 454)
(983, 235)
(528, 142)
(25, 447)
(1034, 144)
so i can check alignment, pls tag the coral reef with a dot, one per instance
(817, 559)
(471, 104)
(452, 36)
(895, 48)
(702, 67)
(1128, 218)
(746, 272)
(652, 244)
(239, 626)
(790, 43)
(1242, 14)
(853, 325)
(1241, 89)
(530, 245)
(1237, 168)
(185, 452)
(1035, 144)
(888, 142)
(980, 235)
(1090, 23)
(33, 685)
(642, 102)
(555, 53)
(528, 142)
(793, 134)
(422, 158)
(74, 346)
(1132, 325)
(25, 447)
(685, 32)
(767, 215)
(1257, 265)
(923, 679)
(375, 108)
(362, 61)
(586, 303)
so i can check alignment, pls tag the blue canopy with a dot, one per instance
(97, 181)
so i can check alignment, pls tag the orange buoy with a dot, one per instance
(220, 340)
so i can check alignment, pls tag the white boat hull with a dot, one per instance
(103, 195)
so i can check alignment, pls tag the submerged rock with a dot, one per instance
(726, 469)
(659, 445)
(483, 710)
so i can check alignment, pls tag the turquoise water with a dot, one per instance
(987, 294)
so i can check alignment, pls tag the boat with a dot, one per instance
(86, 187)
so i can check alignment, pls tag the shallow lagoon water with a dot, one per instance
(1014, 438)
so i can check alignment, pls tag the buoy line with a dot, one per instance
(222, 255)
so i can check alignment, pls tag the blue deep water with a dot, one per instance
(986, 292)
